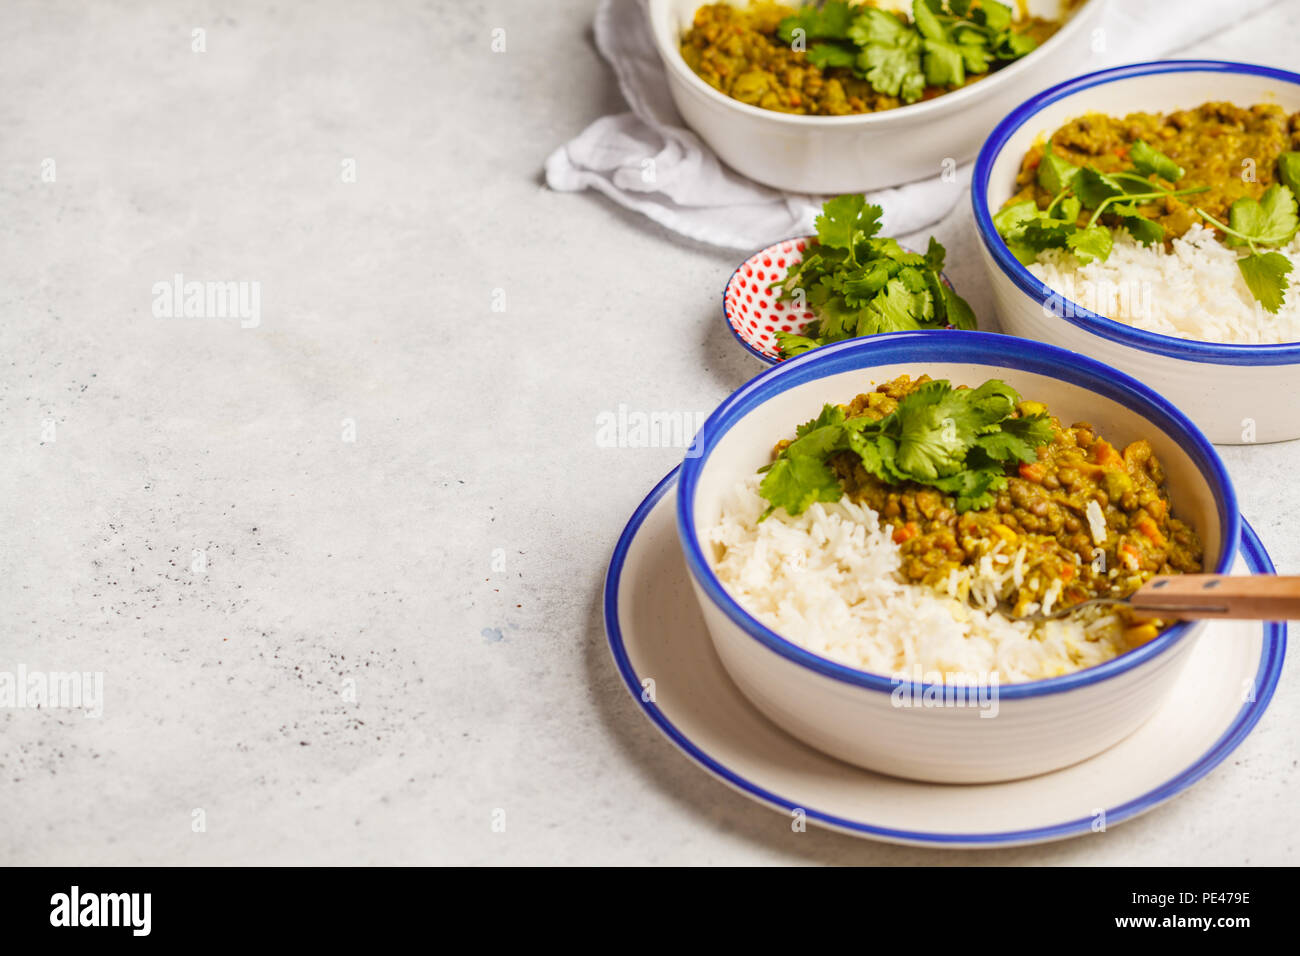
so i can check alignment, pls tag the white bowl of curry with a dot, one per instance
(1231, 134)
(788, 123)
(1040, 724)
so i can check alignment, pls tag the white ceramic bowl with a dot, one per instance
(839, 154)
(851, 714)
(1237, 394)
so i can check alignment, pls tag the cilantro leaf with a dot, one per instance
(935, 253)
(897, 309)
(826, 55)
(1068, 210)
(1266, 276)
(1015, 45)
(937, 424)
(829, 22)
(913, 279)
(1093, 188)
(927, 22)
(1270, 221)
(1028, 230)
(860, 290)
(836, 318)
(1025, 253)
(1143, 229)
(873, 27)
(1010, 222)
(830, 415)
(890, 249)
(796, 483)
(894, 70)
(930, 443)
(845, 219)
(1017, 438)
(1151, 162)
(974, 53)
(1288, 171)
(944, 63)
(986, 405)
(959, 313)
(974, 488)
(1095, 242)
(1044, 232)
(1054, 173)
(994, 17)
(792, 344)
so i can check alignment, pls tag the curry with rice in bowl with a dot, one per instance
(918, 525)
(1195, 207)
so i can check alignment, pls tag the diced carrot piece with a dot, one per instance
(1148, 528)
(1128, 556)
(1106, 455)
(905, 532)
(1032, 471)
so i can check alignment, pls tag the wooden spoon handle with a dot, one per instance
(1255, 597)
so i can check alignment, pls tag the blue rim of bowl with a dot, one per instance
(971, 348)
(1266, 679)
(726, 313)
(1187, 349)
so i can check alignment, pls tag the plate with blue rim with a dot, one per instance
(666, 659)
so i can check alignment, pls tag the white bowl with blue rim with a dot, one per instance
(838, 154)
(854, 715)
(1237, 394)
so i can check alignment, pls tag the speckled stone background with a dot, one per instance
(396, 636)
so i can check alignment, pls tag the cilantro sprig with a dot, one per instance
(943, 43)
(1271, 220)
(1028, 230)
(860, 283)
(960, 441)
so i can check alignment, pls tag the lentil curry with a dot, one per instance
(1213, 143)
(1044, 510)
(738, 51)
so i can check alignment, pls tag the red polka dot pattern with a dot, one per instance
(752, 311)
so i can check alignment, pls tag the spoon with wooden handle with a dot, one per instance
(1247, 597)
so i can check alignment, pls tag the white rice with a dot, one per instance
(828, 581)
(1096, 522)
(1194, 291)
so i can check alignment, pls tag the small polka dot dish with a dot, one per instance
(754, 313)
(751, 303)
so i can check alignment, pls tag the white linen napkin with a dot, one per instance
(646, 160)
